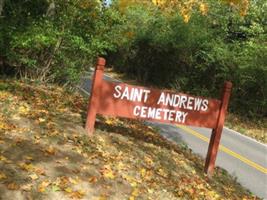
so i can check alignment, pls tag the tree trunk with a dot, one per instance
(51, 10)
(2, 2)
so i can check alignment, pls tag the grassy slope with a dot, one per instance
(45, 154)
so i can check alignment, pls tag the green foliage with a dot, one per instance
(198, 56)
(56, 42)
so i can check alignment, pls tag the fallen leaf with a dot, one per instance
(93, 179)
(109, 122)
(42, 187)
(143, 172)
(55, 188)
(62, 182)
(77, 194)
(162, 173)
(26, 167)
(131, 180)
(13, 186)
(149, 161)
(23, 109)
(33, 176)
(50, 150)
(16, 117)
(135, 192)
(27, 187)
(150, 191)
(29, 158)
(3, 158)
(40, 171)
(79, 151)
(41, 120)
(68, 190)
(107, 172)
(2, 176)
(73, 181)
(76, 171)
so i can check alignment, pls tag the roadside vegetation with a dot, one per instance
(254, 128)
(46, 154)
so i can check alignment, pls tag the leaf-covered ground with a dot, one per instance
(256, 128)
(46, 154)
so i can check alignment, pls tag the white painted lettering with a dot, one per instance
(157, 116)
(171, 115)
(118, 91)
(125, 93)
(166, 111)
(197, 104)
(146, 92)
(151, 112)
(137, 94)
(204, 106)
(182, 102)
(136, 111)
(178, 116)
(143, 112)
(184, 114)
(176, 100)
(189, 103)
(161, 98)
(169, 99)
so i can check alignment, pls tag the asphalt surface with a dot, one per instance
(241, 156)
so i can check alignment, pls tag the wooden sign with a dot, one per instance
(123, 100)
(118, 99)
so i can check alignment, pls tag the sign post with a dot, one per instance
(135, 102)
(94, 97)
(217, 131)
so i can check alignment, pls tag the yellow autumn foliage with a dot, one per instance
(185, 7)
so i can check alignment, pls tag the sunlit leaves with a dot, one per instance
(241, 5)
(34, 176)
(203, 7)
(107, 172)
(186, 7)
(43, 185)
(27, 167)
(2, 176)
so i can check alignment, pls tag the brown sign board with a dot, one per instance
(123, 100)
(136, 102)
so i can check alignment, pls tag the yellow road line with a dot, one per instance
(226, 150)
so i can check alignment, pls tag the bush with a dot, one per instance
(59, 46)
(198, 56)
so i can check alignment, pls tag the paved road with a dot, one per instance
(241, 156)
